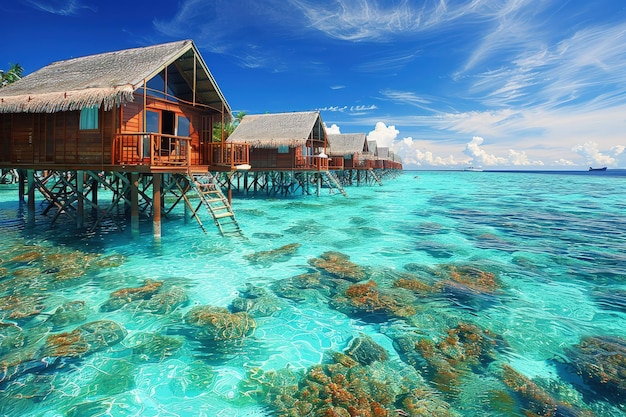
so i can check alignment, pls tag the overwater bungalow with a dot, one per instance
(350, 147)
(287, 152)
(119, 115)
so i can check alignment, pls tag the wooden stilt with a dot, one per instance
(156, 205)
(80, 215)
(21, 182)
(30, 219)
(134, 201)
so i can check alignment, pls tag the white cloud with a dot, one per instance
(480, 156)
(383, 135)
(333, 129)
(593, 156)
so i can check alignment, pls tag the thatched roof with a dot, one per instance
(108, 80)
(382, 152)
(280, 129)
(373, 148)
(346, 144)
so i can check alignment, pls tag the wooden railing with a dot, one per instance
(151, 149)
(228, 154)
(156, 149)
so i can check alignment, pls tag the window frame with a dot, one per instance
(88, 117)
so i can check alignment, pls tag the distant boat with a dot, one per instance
(597, 169)
(473, 169)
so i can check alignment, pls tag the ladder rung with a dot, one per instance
(227, 214)
(213, 200)
(219, 208)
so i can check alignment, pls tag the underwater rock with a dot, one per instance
(256, 301)
(120, 298)
(84, 340)
(338, 265)
(332, 389)
(153, 346)
(302, 287)
(17, 307)
(219, 324)
(165, 301)
(365, 351)
(281, 254)
(27, 257)
(601, 362)
(444, 362)
(536, 400)
(195, 380)
(424, 402)
(413, 283)
(71, 312)
(472, 277)
(111, 261)
(11, 337)
(372, 303)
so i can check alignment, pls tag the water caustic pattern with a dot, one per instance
(447, 294)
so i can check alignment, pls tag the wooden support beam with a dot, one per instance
(80, 216)
(134, 201)
(156, 205)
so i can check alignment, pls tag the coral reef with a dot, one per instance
(153, 346)
(471, 277)
(281, 254)
(120, 298)
(256, 301)
(339, 265)
(165, 301)
(445, 361)
(537, 400)
(219, 324)
(344, 387)
(601, 362)
(17, 307)
(85, 339)
(365, 351)
(365, 299)
(71, 312)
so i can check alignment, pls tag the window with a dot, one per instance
(89, 118)
(183, 126)
(283, 149)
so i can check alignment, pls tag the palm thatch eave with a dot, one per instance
(106, 97)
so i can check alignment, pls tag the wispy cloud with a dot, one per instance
(359, 109)
(60, 7)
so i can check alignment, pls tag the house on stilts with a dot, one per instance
(136, 123)
(288, 154)
(358, 165)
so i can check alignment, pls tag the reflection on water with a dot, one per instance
(444, 295)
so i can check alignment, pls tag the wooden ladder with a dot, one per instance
(376, 177)
(214, 200)
(332, 180)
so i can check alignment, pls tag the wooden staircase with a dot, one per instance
(215, 202)
(333, 182)
(375, 177)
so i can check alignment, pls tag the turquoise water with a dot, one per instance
(530, 263)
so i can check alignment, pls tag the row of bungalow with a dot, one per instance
(139, 123)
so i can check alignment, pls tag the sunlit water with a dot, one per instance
(556, 245)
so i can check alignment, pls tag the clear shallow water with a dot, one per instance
(551, 246)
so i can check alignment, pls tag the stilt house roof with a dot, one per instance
(279, 129)
(110, 79)
(347, 144)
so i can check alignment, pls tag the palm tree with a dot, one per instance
(228, 127)
(13, 74)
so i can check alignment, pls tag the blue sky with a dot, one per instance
(522, 84)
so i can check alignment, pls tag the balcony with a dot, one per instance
(161, 150)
